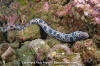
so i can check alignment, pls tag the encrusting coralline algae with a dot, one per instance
(34, 45)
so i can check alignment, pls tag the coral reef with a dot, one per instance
(61, 53)
(97, 56)
(52, 42)
(21, 48)
(40, 48)
(87, 49)
(96, 39)
(89, 8)
(25, 56)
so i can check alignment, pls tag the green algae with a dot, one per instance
(11, 36)
(15, 44)
(31, 32)
(40, 48)
(13, 63)
(25, 55)
(52, 42)
(22, 2)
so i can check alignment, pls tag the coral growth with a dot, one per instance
(63, 15)
(87, 49)
(90, 8)
(40, 48)
(61, 53)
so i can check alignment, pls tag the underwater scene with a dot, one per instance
(49, 32)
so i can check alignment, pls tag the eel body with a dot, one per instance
(77, 35)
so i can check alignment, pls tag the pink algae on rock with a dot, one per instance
(65, 11)
(90, 8)
(46, 6)
(86, 48)
(11, 19)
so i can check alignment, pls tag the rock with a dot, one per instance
(96, 39)
(97, 65)
(3, 48)
(11, 36)
(97, 55)
(31, 32)
(52, 42)
(25, 55)
(13, 63)
(61, 2)
(15, 44)
(77, 60)
(8, 55)
(1, 37)
(7, 2)
(61, 55)
(59, 50)
(1, 63)
(86, 48)
(40, 48)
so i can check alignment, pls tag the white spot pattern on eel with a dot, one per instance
(77, 35)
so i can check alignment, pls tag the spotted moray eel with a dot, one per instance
(77, 35)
